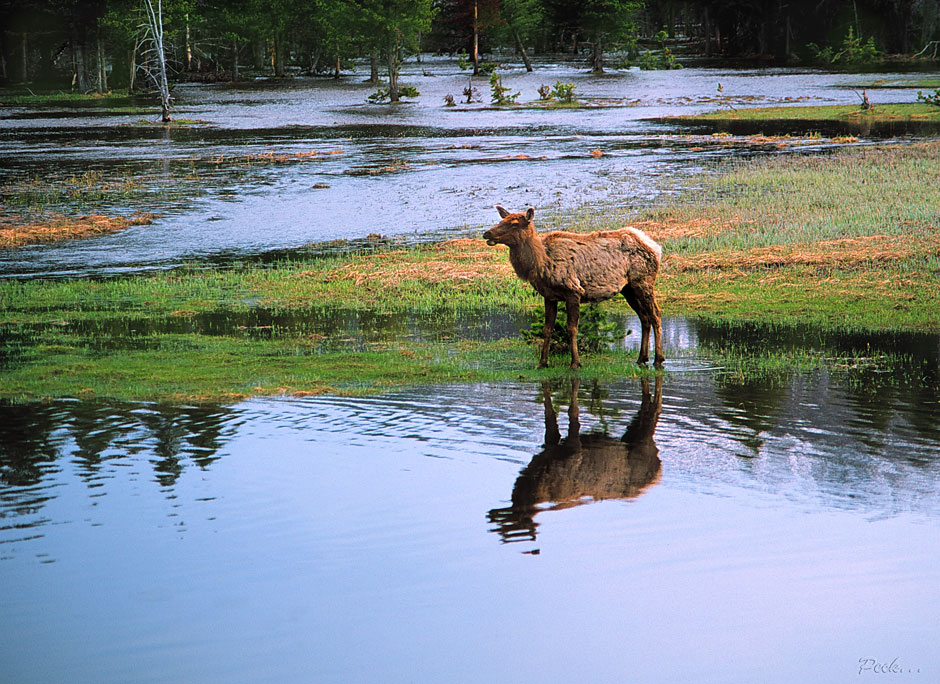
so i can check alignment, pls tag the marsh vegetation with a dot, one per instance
(843, 242)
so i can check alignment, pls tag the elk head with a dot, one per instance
(512, 229)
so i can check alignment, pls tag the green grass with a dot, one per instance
(204, 368)
(846, 242)
(19, 96)
(808, 198)
(899, 83)
(916, 111)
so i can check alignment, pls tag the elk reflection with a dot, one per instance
(581, 468)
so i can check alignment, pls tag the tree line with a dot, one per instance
(96, 45)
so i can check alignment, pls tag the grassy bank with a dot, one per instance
(848, 242)
(880, 113)
(25, 96)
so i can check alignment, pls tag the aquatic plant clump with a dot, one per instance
(929, 98)
(382, 94)
(564, 92)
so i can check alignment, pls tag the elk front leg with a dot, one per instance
(551, 312)
(573, 309)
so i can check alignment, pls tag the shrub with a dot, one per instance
(501, 94)
(851, 51)
(382, 95)
(563, 92)
(933, 99)
(597, 330)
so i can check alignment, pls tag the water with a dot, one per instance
(278, 166)
(702, 527)
(482, 533)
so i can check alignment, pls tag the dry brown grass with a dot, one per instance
(872, 249)
(469, 259)
(453, 261)
(673, 228)
(17, 231)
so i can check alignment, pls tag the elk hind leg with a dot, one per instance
(573, 311)
(645, 326)
(551, 312)
(642, 299)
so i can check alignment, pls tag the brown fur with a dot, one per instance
(583, 467)
(576, 268)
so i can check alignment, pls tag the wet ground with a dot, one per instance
(272, 166)
(705, 526)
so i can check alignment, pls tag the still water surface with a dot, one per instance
(636, 531)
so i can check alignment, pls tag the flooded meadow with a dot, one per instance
(709, 523)
(268, 166)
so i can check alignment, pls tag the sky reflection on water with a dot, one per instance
(327, 539)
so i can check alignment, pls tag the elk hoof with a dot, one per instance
(575, 365)
(542, 364)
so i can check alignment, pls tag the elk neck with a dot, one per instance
(528, 256)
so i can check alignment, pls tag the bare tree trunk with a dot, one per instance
(102, 66)
(189, 47)
(25, 50)
(597, 60)
(374, 67)
(476, 42)
(78, 64)
(132, 63)
(336, 69)
(521, 48)
(393, 67)
(155, 29)
(235, 59)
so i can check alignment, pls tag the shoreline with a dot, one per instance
(849, 242)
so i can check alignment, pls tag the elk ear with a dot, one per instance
(502, 212)
(529, 213)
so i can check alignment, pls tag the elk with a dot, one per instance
(583, 467)
(577, 268)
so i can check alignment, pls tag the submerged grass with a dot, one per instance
(203, 368)
(846, 242)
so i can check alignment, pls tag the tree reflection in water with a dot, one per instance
(583, 467)
(36, 439)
